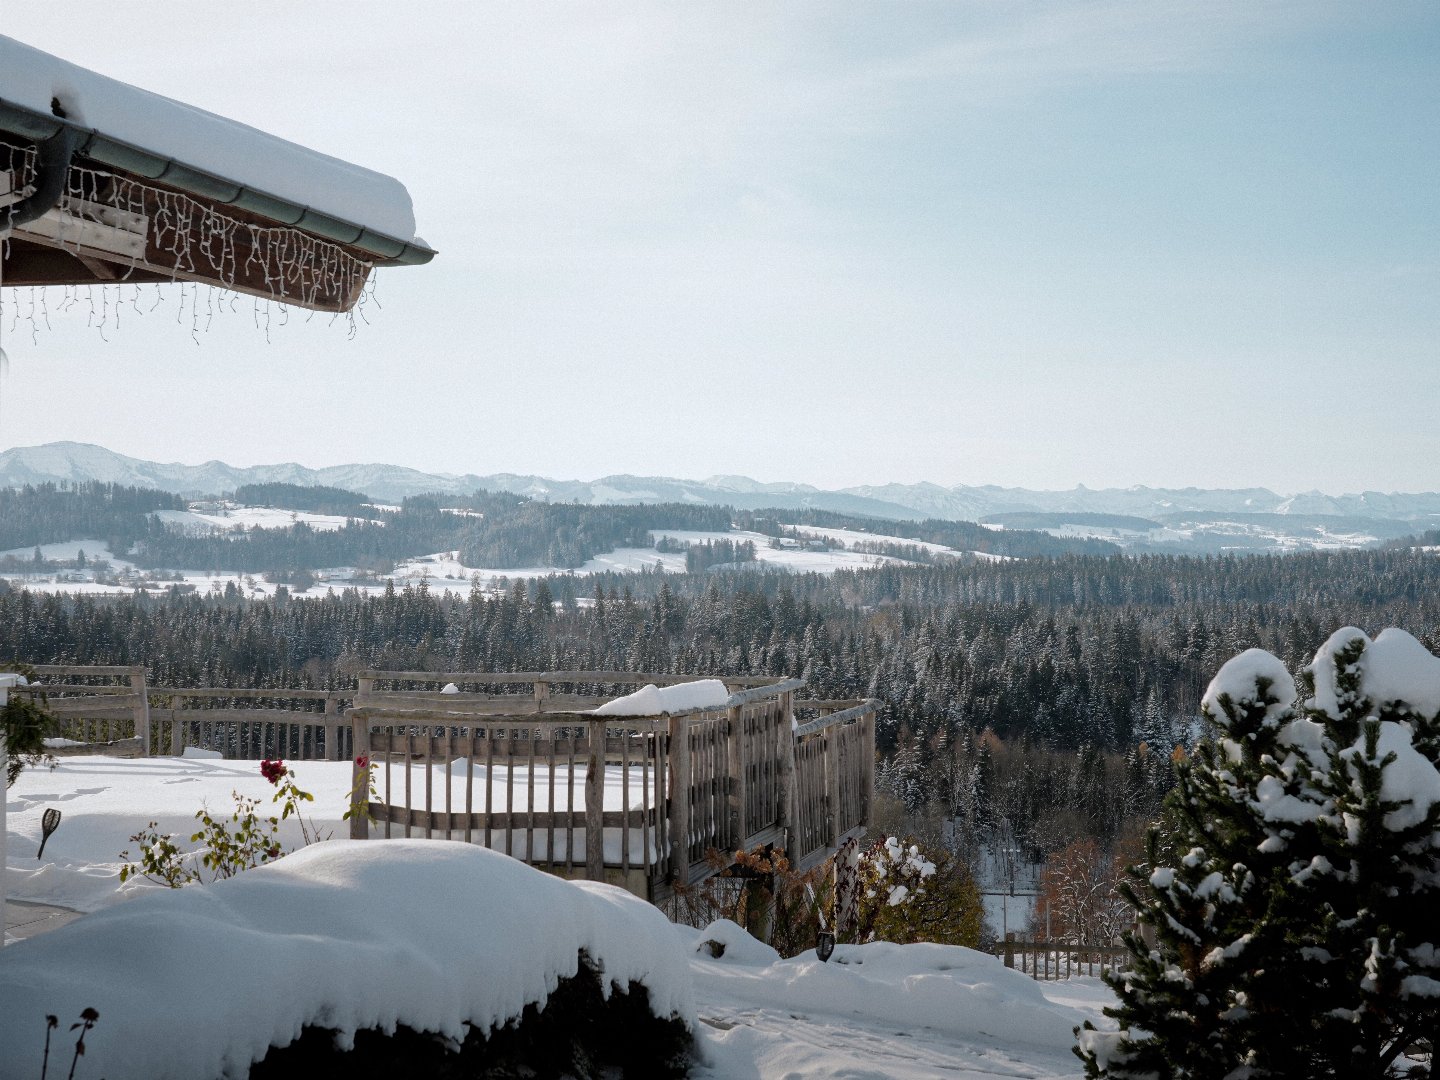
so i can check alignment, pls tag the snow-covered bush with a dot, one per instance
(908, 893)
(1296, 933)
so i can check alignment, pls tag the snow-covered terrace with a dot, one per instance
(101, 181)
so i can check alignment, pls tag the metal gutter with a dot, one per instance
(38, 127)
(52, 166)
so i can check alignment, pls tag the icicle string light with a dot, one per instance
(187, 239)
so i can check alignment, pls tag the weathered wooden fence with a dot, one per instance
(249, 722)
(95, 704)
(1059, 959)
(834, 763)
(533, 787)
(516, 761)
(116, 708)
(642, 799)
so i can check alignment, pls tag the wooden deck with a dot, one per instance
(517, 762)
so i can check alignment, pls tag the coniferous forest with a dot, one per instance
(1044, 697)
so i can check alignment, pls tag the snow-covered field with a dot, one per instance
(442, 571)
(315, 936)
(229, 518)
(851, 537)
(1245, 536)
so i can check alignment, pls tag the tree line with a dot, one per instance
(1056, 670)
(51, 513)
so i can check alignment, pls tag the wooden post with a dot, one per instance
(868, 738)
(1010, 949)
(680, 799)
(595, 804)
(363, 689)
(142, 711)
(542, 694)
(832, 783)
(332, 728)
(735, 766)
(787, 768)
(360, 780)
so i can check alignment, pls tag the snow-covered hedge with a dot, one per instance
(347, 936)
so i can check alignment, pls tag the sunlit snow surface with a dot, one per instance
(250, 517)
(348, 935)
(351, 935)
(104, 801)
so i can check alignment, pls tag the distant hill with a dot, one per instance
(1055, 521)
(1189, 519)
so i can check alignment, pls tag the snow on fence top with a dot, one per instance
(31, 79)
(652, 700)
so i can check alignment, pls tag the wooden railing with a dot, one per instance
(536, 792)
(115, 706)
(526, 773)
(834, 788)
(95, 704)
(523, 767)
(203, 717)
(1059, 959)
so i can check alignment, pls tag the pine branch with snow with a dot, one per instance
(1293, 936)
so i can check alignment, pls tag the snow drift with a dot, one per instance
(428, 934)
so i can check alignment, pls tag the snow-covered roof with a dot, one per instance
(190, 137)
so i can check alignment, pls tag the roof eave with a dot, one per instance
(386, 250)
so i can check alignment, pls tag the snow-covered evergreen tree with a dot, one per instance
(1295, 935)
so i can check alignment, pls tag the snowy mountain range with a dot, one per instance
(1167, 517)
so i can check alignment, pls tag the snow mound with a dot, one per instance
(652, 700)
(345, 935)
(1240, 679)
(1399, 668)
(1410, 779)
(731, 942)
(1394, 667)
(948, 989)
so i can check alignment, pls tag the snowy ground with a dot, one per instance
(442, 571)
(851, 537)
(1247, 536)
(230, 517)
(877, 1011)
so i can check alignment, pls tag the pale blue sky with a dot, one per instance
(1018, 243)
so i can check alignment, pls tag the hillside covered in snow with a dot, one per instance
(1167, 519)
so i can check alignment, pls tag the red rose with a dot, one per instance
(272, 770)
